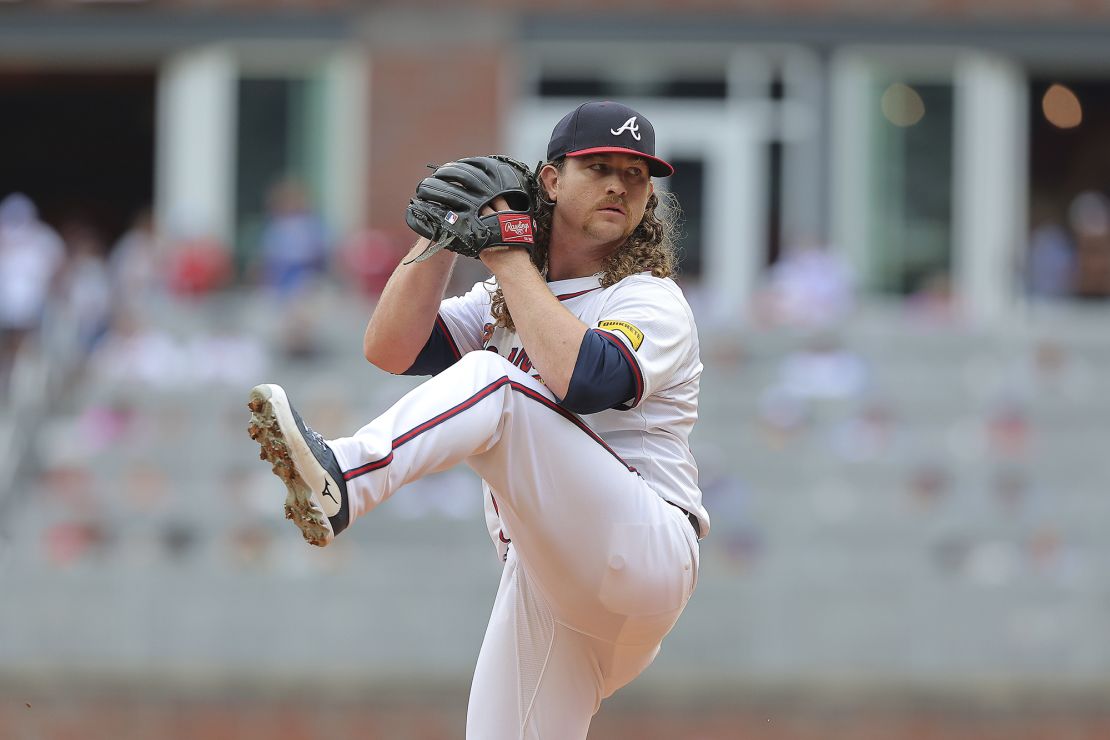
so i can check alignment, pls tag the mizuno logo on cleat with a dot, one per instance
(327, 492)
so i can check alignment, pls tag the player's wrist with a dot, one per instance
(506, 256)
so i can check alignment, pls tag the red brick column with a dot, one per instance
(427, 107)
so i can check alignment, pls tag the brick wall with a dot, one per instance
(427, 107)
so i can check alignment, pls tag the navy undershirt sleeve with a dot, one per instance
(438, 353)
(602, 377)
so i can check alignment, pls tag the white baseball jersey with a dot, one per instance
(653, 323)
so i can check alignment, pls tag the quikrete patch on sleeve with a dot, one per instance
(634, 335)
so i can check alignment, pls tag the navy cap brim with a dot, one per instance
(656, 166)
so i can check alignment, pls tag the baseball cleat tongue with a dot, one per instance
(317, 493)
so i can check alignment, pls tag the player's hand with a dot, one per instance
(497, 204)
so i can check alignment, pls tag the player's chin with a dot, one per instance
(609, 230)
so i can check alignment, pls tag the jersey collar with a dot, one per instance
(574, 287)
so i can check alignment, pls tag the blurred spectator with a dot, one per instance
(137, 354)
(1052, 556)
(134, 354)
(145, 486)
(367, 259)
(1049, 359)
(224, 357)
(1047, 372)
(197, 266)
(809, 287)
(31, 255)
(824, 370)
(743, 549)
(135, 265)
(103, 425)
(934, 302)
(300, 336)
(1089, 216)
(1008, 429)
(867, 435)
(179, 539)
(86, 290)
(250, 545)
(928, 484)
(1010, 487)
(1053, 371)
(294, 245)
(950, 553)
(782, 416)
(742, 542)
(1050, 271)
(69, 543)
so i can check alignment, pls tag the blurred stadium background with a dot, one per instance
(897, 242)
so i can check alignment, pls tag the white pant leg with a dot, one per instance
(538, 678)
(535, 678)
(609, 558)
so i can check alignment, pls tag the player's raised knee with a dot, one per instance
(485, 362)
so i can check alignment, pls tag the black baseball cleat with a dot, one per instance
(317, 500)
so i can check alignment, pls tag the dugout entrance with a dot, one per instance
(80, 144)
(1068, 254)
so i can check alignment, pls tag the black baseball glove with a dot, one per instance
(448, 205)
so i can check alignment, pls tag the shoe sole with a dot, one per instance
(273, 427)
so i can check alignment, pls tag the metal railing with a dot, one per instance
(35, 386)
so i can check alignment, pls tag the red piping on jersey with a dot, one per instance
(468, 403)
(497, 511)
(442, 326)
(636, 372)
(568, 296)
(569, 416)
(421, 428)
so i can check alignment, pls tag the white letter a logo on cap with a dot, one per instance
(629, 126)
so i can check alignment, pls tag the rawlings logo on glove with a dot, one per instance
(515, 229)
(448, 205)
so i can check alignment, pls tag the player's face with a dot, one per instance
(599, 198)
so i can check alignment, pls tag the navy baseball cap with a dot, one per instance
(606, 127)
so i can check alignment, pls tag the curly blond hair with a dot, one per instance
(651, 246)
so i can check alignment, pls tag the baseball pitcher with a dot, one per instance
(568, 381)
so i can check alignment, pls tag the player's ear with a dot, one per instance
(549, 178)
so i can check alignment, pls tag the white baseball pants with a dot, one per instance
(599, 568)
